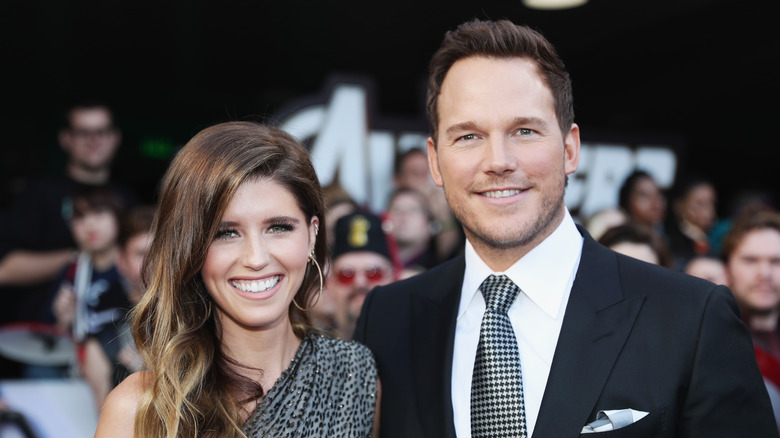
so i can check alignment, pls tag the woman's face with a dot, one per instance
(698, 206)
(647, 204)
(258, 258)
(410, 220)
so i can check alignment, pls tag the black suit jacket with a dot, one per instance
(634, 336)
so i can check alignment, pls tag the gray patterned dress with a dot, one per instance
(329, 390)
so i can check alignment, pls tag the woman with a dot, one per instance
(642, 200)
(694, 214)
(223, 328)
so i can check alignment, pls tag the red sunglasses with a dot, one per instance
(346, 276)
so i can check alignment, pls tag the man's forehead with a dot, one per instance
(499, 83)
(90, 117)
(760, 241)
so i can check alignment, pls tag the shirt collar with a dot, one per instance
(544, 274)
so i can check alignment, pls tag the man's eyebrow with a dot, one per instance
(470, 125)
(460, 127)
(530, 121)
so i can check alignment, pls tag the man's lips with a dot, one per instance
(501, 193)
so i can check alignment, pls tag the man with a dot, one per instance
(603, 341)
(35, 240)
(752, 253)
(361, 261)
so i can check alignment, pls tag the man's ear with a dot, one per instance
(433, 162)
(571, 149)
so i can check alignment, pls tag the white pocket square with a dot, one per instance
(614, 419)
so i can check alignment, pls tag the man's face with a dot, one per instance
(500, 155)
(754, 271)
(91, 140)
(352, 276)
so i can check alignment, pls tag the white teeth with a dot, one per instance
(256, 285)
(501, 193)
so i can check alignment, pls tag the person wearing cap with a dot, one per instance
(362, 259)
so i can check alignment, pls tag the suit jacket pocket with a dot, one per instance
(650, 426)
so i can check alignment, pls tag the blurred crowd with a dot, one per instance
(72, 248)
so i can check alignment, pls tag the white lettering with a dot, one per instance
(362, 159)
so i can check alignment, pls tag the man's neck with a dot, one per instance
(88, 176)
(500, 259)
(765, 322)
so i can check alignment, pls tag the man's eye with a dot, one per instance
(468, 137)
(525, 131)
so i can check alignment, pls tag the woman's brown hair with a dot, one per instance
(194, 388)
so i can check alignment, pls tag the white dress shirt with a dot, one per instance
(545, 276)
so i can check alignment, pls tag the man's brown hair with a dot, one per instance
(501, 39)
(746, 223)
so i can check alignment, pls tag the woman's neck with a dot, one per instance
(266, 353)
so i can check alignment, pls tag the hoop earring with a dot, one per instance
(319, 294)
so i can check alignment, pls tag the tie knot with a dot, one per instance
(499, 292)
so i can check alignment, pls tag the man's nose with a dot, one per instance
(499, 158)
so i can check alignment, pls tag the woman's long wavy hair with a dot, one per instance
(194, 389)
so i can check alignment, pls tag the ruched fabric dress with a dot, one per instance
(329, 390)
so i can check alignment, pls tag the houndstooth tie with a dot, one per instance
(497, 408)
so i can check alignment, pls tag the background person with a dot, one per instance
(599, 222)
(639, 242)
(410, 171)
(135, 239)
(412, 227)
(694, 212)
(752, 253)
(643, 200)
(710, 268)
(35, 237)
(362, 260)
(91, 302)
(223, 329)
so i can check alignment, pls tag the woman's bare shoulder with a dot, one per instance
(117, 417)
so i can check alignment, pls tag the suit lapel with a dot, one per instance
(595, 327)
(434, 312)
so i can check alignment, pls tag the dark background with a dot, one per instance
(701, 74)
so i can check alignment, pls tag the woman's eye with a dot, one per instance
(227, 233)
(280, 228)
